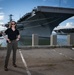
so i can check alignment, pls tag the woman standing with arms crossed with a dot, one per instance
(12, 41)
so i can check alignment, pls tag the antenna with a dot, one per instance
(10, 16)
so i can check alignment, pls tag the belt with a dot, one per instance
(13, 40)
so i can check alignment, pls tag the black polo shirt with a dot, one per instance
(12, 35)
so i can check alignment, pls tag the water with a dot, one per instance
(61, 40)
(2, 42)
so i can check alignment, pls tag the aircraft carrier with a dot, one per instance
(42, 20)
(64, 30)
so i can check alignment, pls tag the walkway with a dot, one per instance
(50, 61)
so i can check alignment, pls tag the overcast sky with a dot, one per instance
(20, 7)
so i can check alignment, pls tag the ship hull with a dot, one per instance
(39, 30)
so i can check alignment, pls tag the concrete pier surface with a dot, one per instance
(43, 61)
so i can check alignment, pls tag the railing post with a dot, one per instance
(70, 39)
(34, 40)
(53, 40)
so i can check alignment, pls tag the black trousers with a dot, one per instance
(11, 46)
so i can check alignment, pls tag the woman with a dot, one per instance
(12, 37)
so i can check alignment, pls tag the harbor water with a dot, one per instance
(61, 40)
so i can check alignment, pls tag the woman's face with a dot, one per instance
(13, 24)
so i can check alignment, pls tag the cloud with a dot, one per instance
(1, 23)
(1, 13)
(71, 18)
(2, 28)
(69, 24)
(1, 17)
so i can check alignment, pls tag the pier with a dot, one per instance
(50, 59)
(41, 61)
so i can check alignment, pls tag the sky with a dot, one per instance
(20, 7)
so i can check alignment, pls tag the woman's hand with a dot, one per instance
(8, 40)
(17, 39)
